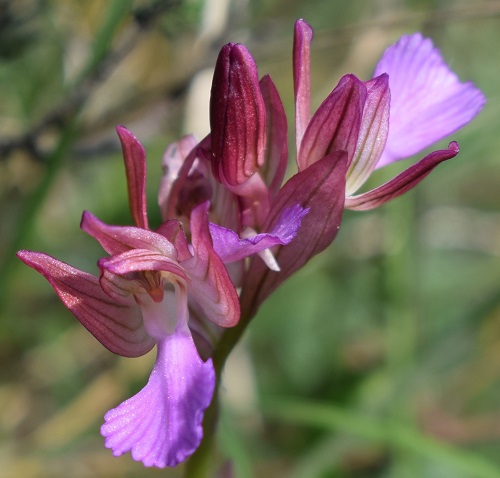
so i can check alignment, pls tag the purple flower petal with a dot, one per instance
(117, 323)
(403, 182)
(135, 168)
(161, 425)
(428, 102)
(231, 248)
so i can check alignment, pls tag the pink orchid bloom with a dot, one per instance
(413, 101)
(141, 299)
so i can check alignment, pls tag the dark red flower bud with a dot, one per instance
(237, 117)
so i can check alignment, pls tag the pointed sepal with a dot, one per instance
(134, 157)
(302, 38)
(118, 325)
(403, 182)
(321, 189)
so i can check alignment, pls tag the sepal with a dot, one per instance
(134, 157)
(321, 189)
(117, 324)
(401, 183)
(335, 125)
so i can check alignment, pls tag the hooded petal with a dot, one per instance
(372, 135)
(428, 101)
(172, 230)
(230, 247)
(135, 168)
(210, 285)
(117, 325)
(401, 183)
(237, 116)
(302, 39)
(321, 189)
(173, 159)
(335, 125)
(137, 260)
(118, 239)
(161, 425)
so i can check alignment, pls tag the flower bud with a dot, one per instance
(237, 117)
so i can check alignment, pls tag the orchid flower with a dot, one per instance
(222, 201)
(413, 101)
(141, 299)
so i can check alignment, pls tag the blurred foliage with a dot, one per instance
(380, 359)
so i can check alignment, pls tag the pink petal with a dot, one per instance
(137, 260)
(302, 39)
(428, 101)
(134, 157)
(118, 239)
(335, 125)
(161, 425)
(319, 188)
(173, 232)
(117, 325)
(372, 135)
(230, 248)
(210, 285)
(401, 183)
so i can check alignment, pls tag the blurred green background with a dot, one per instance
(380, 359)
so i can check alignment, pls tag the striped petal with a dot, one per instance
(161, 425)
(118, 325)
